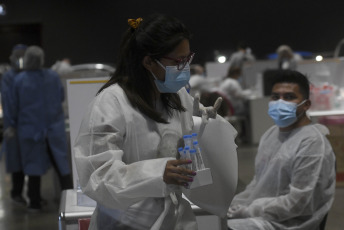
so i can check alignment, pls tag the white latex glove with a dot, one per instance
(9, 132)
(205, 112)
(237, 212)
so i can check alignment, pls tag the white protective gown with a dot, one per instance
(236, 95)
(294, 183)
(120, 156)
(198, 83)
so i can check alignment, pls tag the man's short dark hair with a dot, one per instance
(292, 76)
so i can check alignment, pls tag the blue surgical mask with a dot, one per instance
(174, 79)
(283, 112)
(18, 65)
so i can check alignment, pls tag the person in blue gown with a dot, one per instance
(39, 120)
(10, 146)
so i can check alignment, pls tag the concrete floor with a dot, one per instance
(13, 217)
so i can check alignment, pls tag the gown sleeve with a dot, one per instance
(5, 97)
(307, 172)
(242, 197)
(98, 152)
(13, 101)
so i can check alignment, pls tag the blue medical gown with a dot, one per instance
(9, 145)
(39, 119)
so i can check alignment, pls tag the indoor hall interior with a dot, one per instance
(93, 41)
(13, 217)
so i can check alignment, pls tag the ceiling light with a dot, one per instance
(2, 9)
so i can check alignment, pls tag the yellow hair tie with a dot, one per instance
(134, 23)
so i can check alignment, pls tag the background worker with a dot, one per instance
(10, 145)
(39, 121)
(287, 58)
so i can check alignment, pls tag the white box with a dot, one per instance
(203, 177)
(84, 200)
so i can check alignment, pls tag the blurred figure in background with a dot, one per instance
(10, 142)
(62, 66)
(232, 93)
(39, 120)
(232, 89)
(197, 79)
(287, 59)
(237, 60)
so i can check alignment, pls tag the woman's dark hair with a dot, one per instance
(292, 76)
(156, 36)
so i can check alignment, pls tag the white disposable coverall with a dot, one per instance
(120, 156)
(238, 58)
(197, 83)
(236, 95)
(294, 182)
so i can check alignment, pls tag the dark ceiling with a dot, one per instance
(90, 31)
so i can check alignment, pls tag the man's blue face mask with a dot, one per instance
(283, 112)
(174, 79)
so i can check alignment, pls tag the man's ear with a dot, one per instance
(308, 104)
(147, 62)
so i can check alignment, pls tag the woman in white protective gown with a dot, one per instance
(126, 150)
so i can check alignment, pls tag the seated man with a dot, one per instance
(294, 182)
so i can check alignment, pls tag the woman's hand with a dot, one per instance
(178, 175)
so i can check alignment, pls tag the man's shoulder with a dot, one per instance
(313, 129)
(20, 76)
(312, 133)
(271, 132)
(50, 72)
(272, 129)
(322, 129)
(9, 73)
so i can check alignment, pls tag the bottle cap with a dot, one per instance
(187, 147)
(193, 151)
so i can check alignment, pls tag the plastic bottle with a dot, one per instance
(187, 156)
(198, 156)
(187, 152)
(193, 155)
(182, 156)
(194, 137)
(181, 152)
(187, 140)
